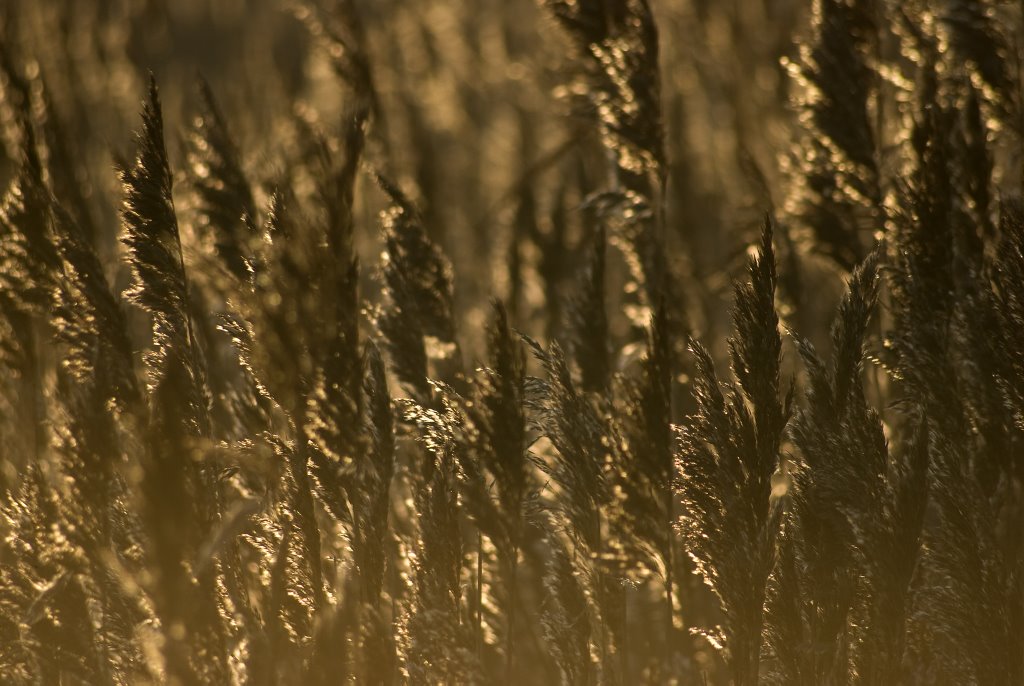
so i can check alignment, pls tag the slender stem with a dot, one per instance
(480, 595)
(669, 591)
(513, 602)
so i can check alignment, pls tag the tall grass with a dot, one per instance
(452, 343)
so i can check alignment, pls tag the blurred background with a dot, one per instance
(477, 120)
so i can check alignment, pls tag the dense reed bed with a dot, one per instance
(582, 342)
